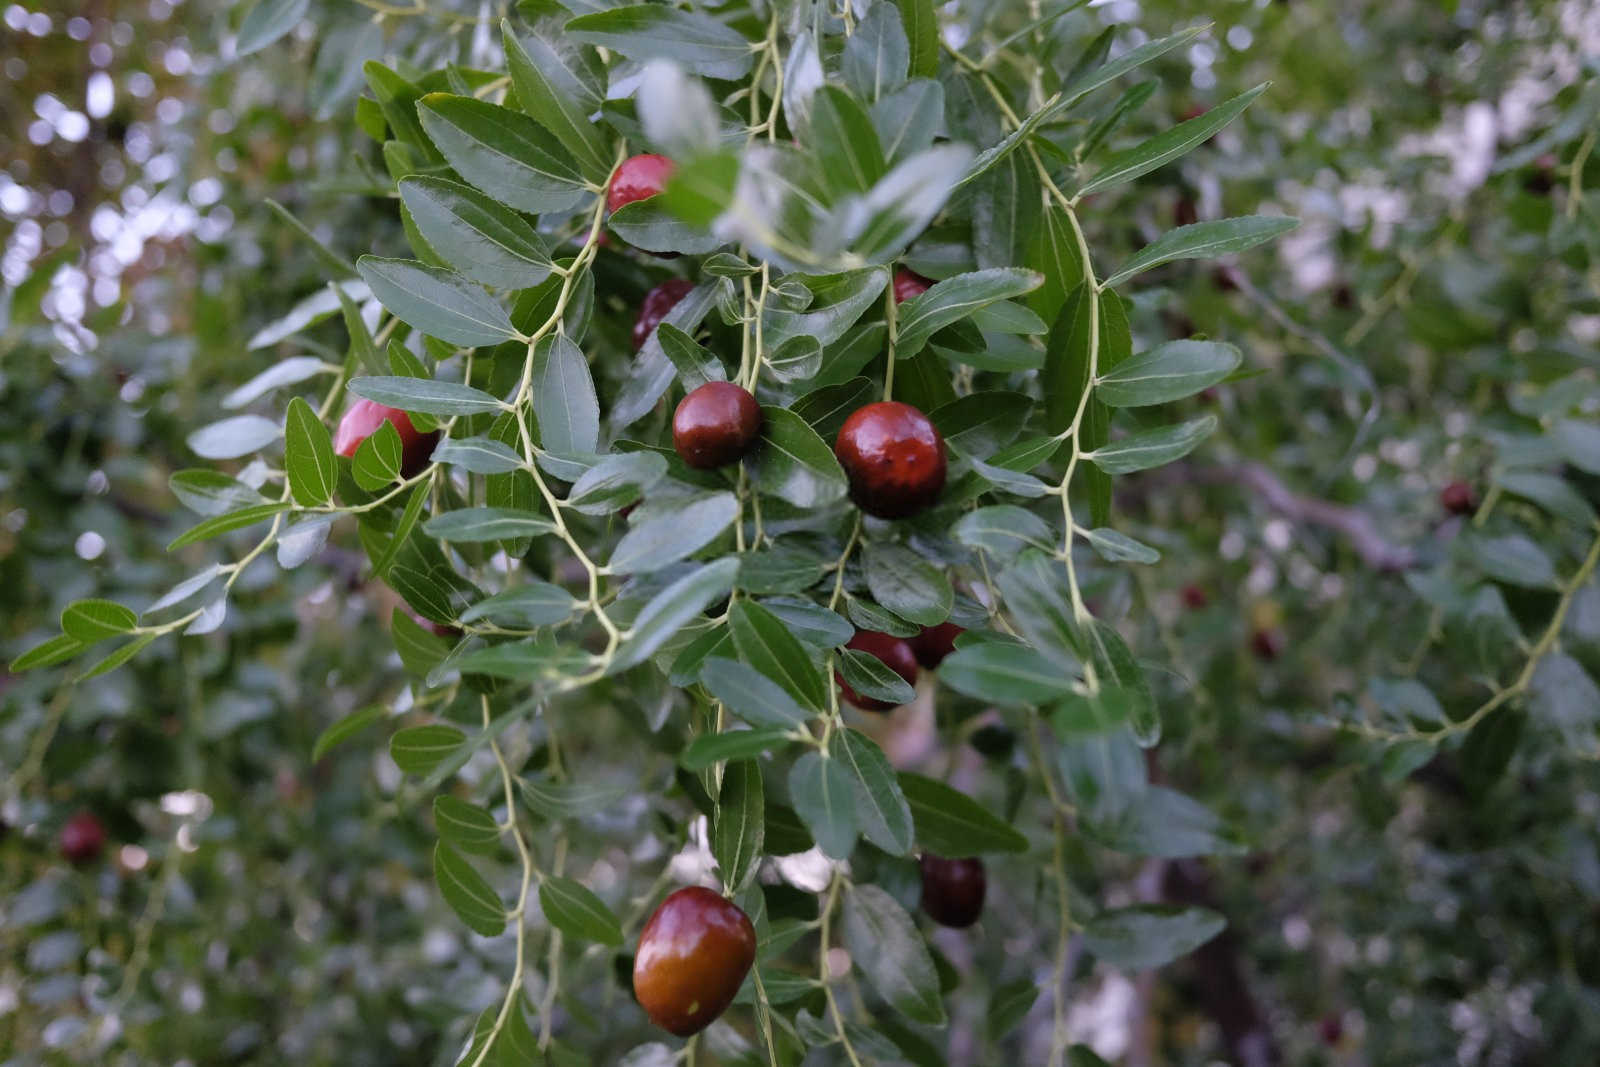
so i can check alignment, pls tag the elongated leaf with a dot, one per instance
(738, 830)
(95, 620)
(670, 609)
(1148, 936)
(793, 463)
(228, 522)
(877, 57)
(1163, 148)
(1006, 675)
(346, 728)
(697, 42)
(886, 945)
(956, 298)
(1115, 666)
(881, 808)
(908, 119)
(544, 75)
(466, 826)
(922, 34)
(1152, 448)
(419, 749)
(308, 456)
(823, 797)
(952, 824)
(284, 372)
(849, 157)
(534, 604)
(615, 482)
(871, 677)
(1203, 240)
(471, 897)
(708, 749)
(56, 650)
(573, 909)
(480, 455)
(695, 365)
(267, 21)
(1167, 372)
(1004, 530)
(907, 584)
(1091, 80)
(234, 437)
(476, 235)
(1119, 547)
(766, 644)
(425, 395)
(564, 400)
(751, 695)
(486, 524)
(664, 535)
(438, 302)
(503, 152)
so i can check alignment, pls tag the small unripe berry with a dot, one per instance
(1458, 498)
(362, 420)
(638, 178)
(654, 307)
(908, 283)
(895, 653)
(82, 839)
(894, 458)
(934, 643)
(953, 890)
(693, 956)
(716, 424)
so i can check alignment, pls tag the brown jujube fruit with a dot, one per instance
(908, 283)
(895, 653)
(894, 458)
(716, 424)
(693, 956)
(654, 307)
(82, 839)
(1458, 499)
(363, 419)
(953, 890)
(934, 643)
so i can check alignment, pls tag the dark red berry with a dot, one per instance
(362, 420)
(1225, 278)
(1194, 597)
(894, 652)
(82, 839)
(934, 643)
(953, 890)
(1331, 1029)
(693, 956)
(894, 458)
(715, 425)
(1267, 643)
(654, 307)
(1458, 498)
(638, 178)
(1185, 213)
(908, 283)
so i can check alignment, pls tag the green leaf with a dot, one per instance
(1117, 547)
(1147, 936)
(709, 749)
(564, 400)
(838, 300)
(812, 623)
(486, 524)
(738, 830)
(527, 661)
(1167, 372)
(1166, 823)
(822, 795)
(503, 152)
(1152, 448)
(698, 43)
(466, 826)
(900, 206)
(1008, 1006)
(884, 942)
(308, 456)
(981, 424)
(1034, 590)
(952, 824)
(780, 569)
(908, 119)
(267, 21)
(577, 912)
(376, 464)
(766, 644)
(415, 502)
(56, 650)
(907, 584)
(797, 359)
(1513, 559)
(1108, 123)
(1166, 147)
(1579, 442)
(209, 492)
(1004, 530)
(653, 225)
(695, 365)
(615, 482)
(471, 897)
(234, 437)
(127, 651)
(533, 604)
(346, 728)
(479, 237)
(1549, 492)
(871, 677)
(877, 57)
(478, 455)
(956, 298)
(664, 534)
(673, 607)
(421, 650)
(95, 620)
(1091, 80)
(438, 302)
(1115, 666)
(1204, 240)
(848, 155)
(284, 372)
(425, 395)
(881, 807)
(751, 695)
(922, 33)
(544, 75)
(226, 523)
(793, 463)
(1005, 674)
(419, 749)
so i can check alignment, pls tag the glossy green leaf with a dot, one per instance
(952, 824)
(1167, 372)
(877, 57)
(615, 482)
(767, 645)
(535, 603)
(793, 463)
(738, 830)
(1165, 147)
(476, 235)
(1152, 448)
(228, 522)
(376, 464)
(545, 73)
(419, 749)
(466, 826)
(848, 155)
(1147, 936)
(425, 395)
(922, 33)
(573, 909)
(709, 749)
(1115, 547)
(884, 942)
(284, 372)
(956, 298)
(664, 534)
(871, 677)
(881, 807)
(438, 302)
(266, 22)
(234, 437)
(345, 728)
(1004, 530)
(695, 365)
(96, 620)
(751, 695)
(503, 152)
(695, 41)
(823, 797)
(1204, 240)
(48, 653)
(907, 583)
(308, 456)
(672, 608)
(1005, 674)
(477, 455)
(564, 400)
(471, 897)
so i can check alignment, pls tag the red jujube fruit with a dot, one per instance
(654, 307)
(894, 458)
(908, 283)
(953, 890)
(82, 839)
(693, 956)
(894, 652)
(716, 424)
(638, 178)
(362, 420)
(934, 643)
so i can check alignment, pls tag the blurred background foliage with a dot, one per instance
(1435, 319)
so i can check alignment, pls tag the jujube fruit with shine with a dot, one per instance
(82, 839)
(953, 890)
(934, 643)
(693, 956)
(894, 458)
(638, 178)
(364, 418)
(655, 306)
(908, 283)
(894, 652)
(715, 425)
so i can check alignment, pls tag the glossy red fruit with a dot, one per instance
(82, 839)
(693, 955)
(638, 178)
(715, 425)
(1194, 597)
(1267, 644)
(362, 420)
(896, 654)
(908, 283)
(657, 302)
(934, 643)
(1458, 499)
(894, 458)
(953, 890)
(1331, 1029)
